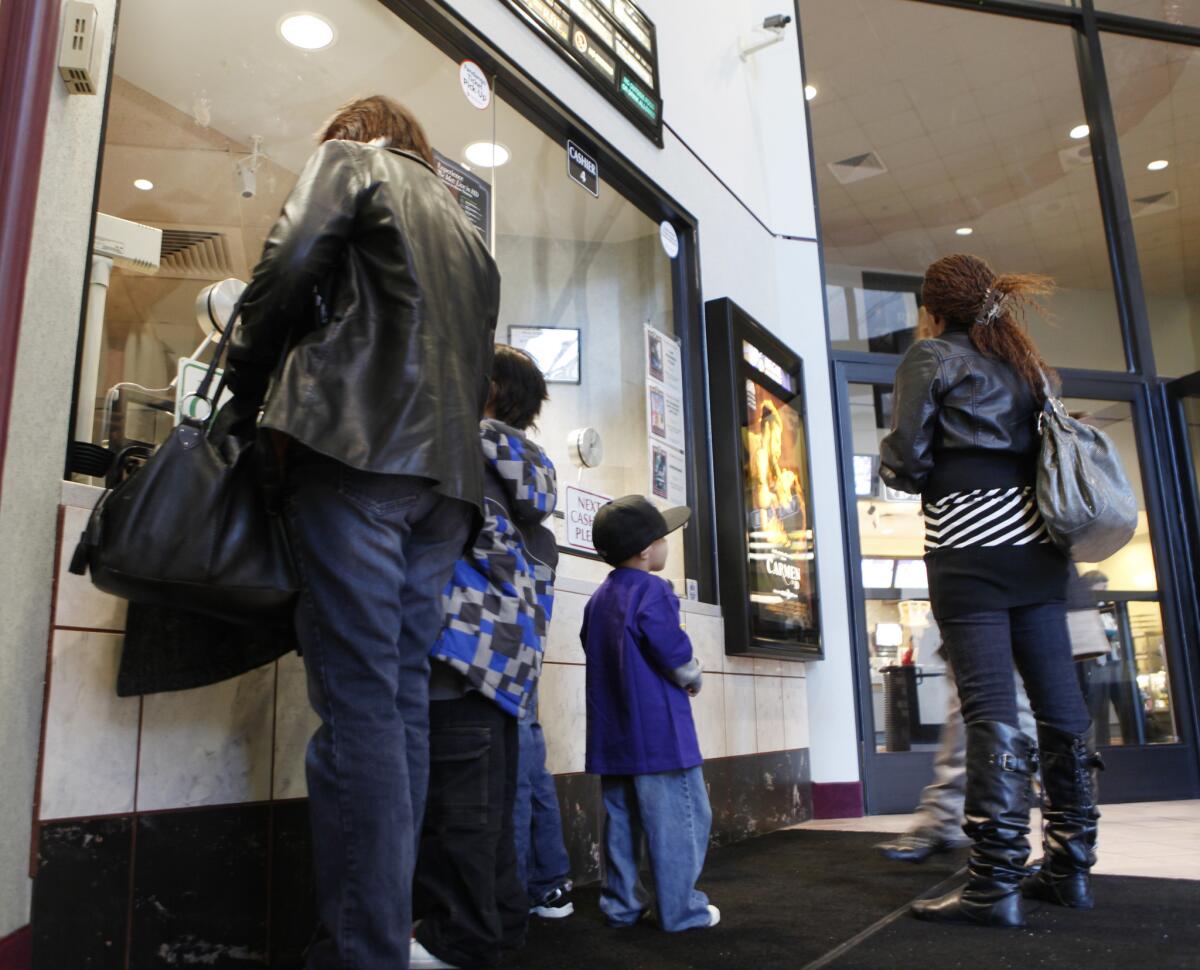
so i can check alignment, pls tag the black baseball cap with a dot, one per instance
(627, 525)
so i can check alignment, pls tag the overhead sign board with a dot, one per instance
(613, 44)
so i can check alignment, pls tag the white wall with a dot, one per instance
(37, 436)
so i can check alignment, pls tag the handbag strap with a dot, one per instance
(201, 392)
(1051, 404)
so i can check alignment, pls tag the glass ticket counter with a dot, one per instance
(212, 115)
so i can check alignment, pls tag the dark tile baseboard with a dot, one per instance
(231, 887)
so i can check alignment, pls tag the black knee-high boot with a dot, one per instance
(1000, 762)
(1069, 818)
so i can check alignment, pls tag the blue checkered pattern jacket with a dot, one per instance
(498, 602)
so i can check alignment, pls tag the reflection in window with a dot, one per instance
(939, 130)
(1155, 91)
(1128, 688)
(901, 632)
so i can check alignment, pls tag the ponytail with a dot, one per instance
(1004, 336)
(963, 291)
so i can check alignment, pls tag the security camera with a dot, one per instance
(247, 168)
(247, 180)
(760, 38)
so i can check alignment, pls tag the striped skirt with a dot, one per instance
(984, 518)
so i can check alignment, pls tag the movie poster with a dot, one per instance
(779, 532)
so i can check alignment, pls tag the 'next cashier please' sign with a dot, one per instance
(582, 507)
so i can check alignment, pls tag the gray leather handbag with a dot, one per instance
(1082, 490)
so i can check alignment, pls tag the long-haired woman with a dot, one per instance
(964, 436)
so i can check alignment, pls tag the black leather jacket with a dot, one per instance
(951, 402)
(393, 376)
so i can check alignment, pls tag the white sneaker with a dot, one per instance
(421, 959)
(715, 914)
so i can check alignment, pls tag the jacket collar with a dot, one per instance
(413, 155)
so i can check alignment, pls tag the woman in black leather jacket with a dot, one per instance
(376, 391)
(964, 436)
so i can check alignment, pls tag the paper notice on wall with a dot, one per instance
(581, 510)
(664, 390)
(473, 194)
(668, 473)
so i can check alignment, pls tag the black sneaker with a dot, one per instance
(555, 904)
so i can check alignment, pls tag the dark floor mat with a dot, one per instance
(790, 898)
(1151, 923)
(785, 900)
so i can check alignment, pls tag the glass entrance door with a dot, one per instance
(902, 684)
(1136, 687)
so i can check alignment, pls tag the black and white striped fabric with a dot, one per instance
(984, 518)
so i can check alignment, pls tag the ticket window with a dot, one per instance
(200, 152)
(212, 114)
(587, 287)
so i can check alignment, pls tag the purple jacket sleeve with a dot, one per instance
(663, 641)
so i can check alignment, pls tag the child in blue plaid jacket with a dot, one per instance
(486, 661)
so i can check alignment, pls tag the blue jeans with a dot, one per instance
(670, 811)
(542, 862)
(983, 647)
(373, 553)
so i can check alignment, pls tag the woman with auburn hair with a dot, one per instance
(366, 336)
(965, 436)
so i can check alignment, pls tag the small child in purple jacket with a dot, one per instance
(640, 736)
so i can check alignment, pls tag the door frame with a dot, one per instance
(892, 781)
(1187, 509)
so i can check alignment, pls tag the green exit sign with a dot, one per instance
(641, 100)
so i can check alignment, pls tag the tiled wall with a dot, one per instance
(225, 765)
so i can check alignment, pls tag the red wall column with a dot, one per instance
(29, 31)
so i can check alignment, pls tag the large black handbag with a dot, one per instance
(192, 529)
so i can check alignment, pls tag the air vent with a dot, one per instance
(1149, 205)
(202, 253)
(857, 167)
(1077, 156)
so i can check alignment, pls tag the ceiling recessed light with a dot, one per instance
(810, 92)
(144, 184)
(486, 155)
(1159, 165)
(963, 231)
(1080, 131)
(306, 31)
